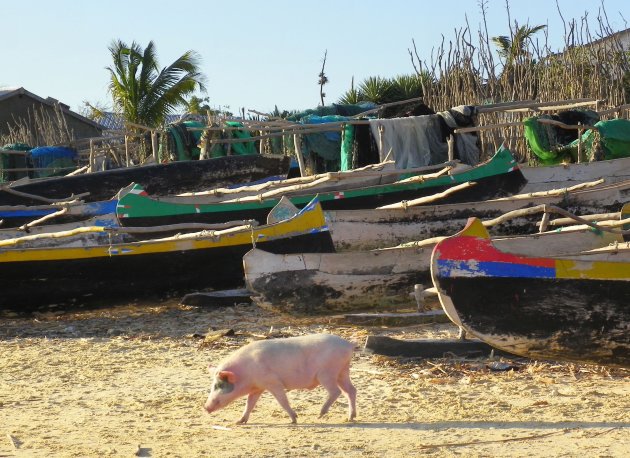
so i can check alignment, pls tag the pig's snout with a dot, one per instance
(212, 405)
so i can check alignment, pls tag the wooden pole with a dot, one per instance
(154, 146)
(126, 150)
(297, 139)
(428, 199)
(204, 145)
(579, 145)
(91, 160)
(451, 147)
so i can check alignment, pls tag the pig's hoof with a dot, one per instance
(242, 421)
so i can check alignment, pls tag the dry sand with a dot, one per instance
(132, 380)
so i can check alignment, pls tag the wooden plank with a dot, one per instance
(387, 346)
(396, 319)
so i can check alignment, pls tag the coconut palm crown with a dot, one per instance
(141, 91)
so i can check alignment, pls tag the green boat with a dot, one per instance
(498, 177)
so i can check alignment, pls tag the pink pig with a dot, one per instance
(284, 364)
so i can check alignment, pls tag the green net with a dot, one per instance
(543, 142)
(609, 140)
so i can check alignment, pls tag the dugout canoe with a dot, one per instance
(383, 279)
(354, 230)
(500, 176)
(157, 179)
(543, 178)
(35, 277)
(569, 308)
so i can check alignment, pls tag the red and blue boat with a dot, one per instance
(573, 307)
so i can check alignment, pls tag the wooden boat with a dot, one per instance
(354, 230)
(544, 178)
(33, 277)
(498, 177)
(573, 307)
(369, 175)
(308, 283)
(158, 179)
(62, 212)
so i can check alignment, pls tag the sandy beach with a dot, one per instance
(132, 380)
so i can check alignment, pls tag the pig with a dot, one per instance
(279, 365)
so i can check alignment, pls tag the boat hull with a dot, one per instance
(574, 307)
(33, 284)
(499, 177)
(31, 277)
(158, 179)
(563, 319)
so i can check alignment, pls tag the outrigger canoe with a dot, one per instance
(500, 176)
(43, 275)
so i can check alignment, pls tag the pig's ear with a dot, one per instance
(227, 375)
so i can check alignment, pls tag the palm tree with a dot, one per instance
(515, 48)
(377, 90)
(142, 92)
(410, 86)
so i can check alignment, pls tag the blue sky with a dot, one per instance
(254, 54)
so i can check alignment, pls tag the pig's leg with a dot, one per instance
(281, 396)
(252, 399)
(350, 391)
(330, 384)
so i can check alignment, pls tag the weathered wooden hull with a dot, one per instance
(382, 279)
(574, 308)
(157, 179)
(498, 177)
(370, 229)
(312, 283)
(31, 278)
(560, 176)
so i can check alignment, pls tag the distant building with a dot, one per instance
(621, 38)
(114, 121)
(19, 105)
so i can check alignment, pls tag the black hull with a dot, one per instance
(486, 188)
(562, 319)
(157, 179)
(27, 286)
